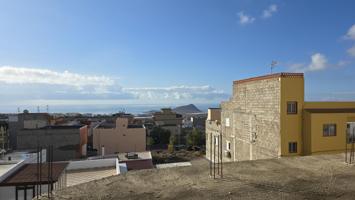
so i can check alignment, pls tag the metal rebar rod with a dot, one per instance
(37, 167)
(214, 157)
(211, 155)
(218, 154)
(221, 157)
(40, 170)
(48, 168)
(346, 146)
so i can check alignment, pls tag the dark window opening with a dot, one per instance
(292, 147)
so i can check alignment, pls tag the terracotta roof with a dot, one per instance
(278, 75)
(331, 110)
(27, 174)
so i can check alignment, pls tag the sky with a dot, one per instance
(169, 52)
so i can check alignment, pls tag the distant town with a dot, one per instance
(88, 142)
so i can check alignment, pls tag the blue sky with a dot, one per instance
(171, 52)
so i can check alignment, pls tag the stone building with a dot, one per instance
(267, 117)
(69, 142)
(25, 120)
(4, 136)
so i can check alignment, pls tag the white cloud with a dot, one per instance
(351, 51)
(351, 33)
(21, 75)
(245, 19)
(318, 62)
(177, 92)
(21, 83)
(269, 11)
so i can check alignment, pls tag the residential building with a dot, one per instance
(19, 176)
(168, 120)
(4, 136)
(69, 142)
(267, 117)
(119, 137)
(25, 120)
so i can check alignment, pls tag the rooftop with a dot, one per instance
(312, 177)
(331, 110)
(270, 76)
(83, 176)
(27, 174)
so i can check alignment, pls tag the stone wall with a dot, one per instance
(212, 128)
(254, 119)
(66, 142)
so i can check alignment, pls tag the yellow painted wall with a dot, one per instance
(292, 89)
(318, 143)
(306, 133)
(331, 105)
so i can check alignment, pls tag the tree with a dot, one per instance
(172, 139)
(160, 135)
(195, 138)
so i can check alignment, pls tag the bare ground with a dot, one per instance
(311, 177)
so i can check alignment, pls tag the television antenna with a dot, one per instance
(273, 65)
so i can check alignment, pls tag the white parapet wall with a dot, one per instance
(171, 165)
(92, 164)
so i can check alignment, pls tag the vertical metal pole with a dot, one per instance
(211, 155)
(221, 157)
(40, 170)
(218, 154)
(214, 157)
(25, 192)
(51, 170)
(37, 166)
(48, 167)
(346, 145)
(352, 150)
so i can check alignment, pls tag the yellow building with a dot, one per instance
(267, 117)
(312, 127)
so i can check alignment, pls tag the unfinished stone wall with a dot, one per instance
(254, 115)
(212, 128)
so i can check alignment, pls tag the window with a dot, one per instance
(329, 130)
(216, 140)
(292, 147)
(227, 122)
(228, 146)
(292, 107)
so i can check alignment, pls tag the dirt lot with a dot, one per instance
(161, 157)
(312, 177)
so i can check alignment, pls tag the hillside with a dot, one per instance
(187, 109)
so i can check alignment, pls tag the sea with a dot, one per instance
(98, 109)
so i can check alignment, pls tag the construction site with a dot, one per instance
(307, 177)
